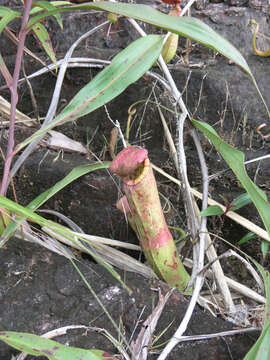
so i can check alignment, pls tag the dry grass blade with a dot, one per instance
(247, 265)
(15, 40)
(232, 215)
(108, 254)
(211, 336)
(19, 117)
(140, 346)
(27, 234)
(234, 285)
(59, 141)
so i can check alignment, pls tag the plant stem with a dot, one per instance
(14, 96)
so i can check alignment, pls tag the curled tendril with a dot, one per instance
(255, 49)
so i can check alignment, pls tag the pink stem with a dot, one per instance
(14, 96)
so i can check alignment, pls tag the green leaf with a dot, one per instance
(240, 201)
(212, 210)
(26, 213)
(235, 159)
(46, 195)
(4, 11)
(44, 37)
(246, 238)
(7, 16)
(126, 67)
(49, 6)
(60, 3)
(36, 9)
(261, 349)
(189, 27)
(266, 278)
(264, 247)
(72, 176)
(39, 346)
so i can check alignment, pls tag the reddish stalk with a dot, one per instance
(14, 96)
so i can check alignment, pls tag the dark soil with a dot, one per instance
(41, 291)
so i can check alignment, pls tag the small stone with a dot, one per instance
(201, 4)
(258, 4)
(235, 11)
(236, 2)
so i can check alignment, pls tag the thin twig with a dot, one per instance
(32, 95)
(169, 138)
(252, 271)
(234, 285)
(220, 334)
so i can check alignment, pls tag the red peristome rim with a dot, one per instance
(128, 160)
(138, 179)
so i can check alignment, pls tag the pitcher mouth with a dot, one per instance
(138, 175)
(131, 164)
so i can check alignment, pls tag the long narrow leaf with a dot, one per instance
(26, 213)
(126, 67)
(185, 26)
(44, 37)
(7, 18)
(72, 176)
(37, 9)
(39, 346)
(235, 159)
(4, 11)
(48, 6)
(46, 195)
(261, 349)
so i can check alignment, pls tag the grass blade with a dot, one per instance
(235, 159)
(47, 6)
(72, 176)
(126, 67)
(7, 16)
(44, 37)
(188, 27)
(46, 195)
(261, 349)
(39, 346)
